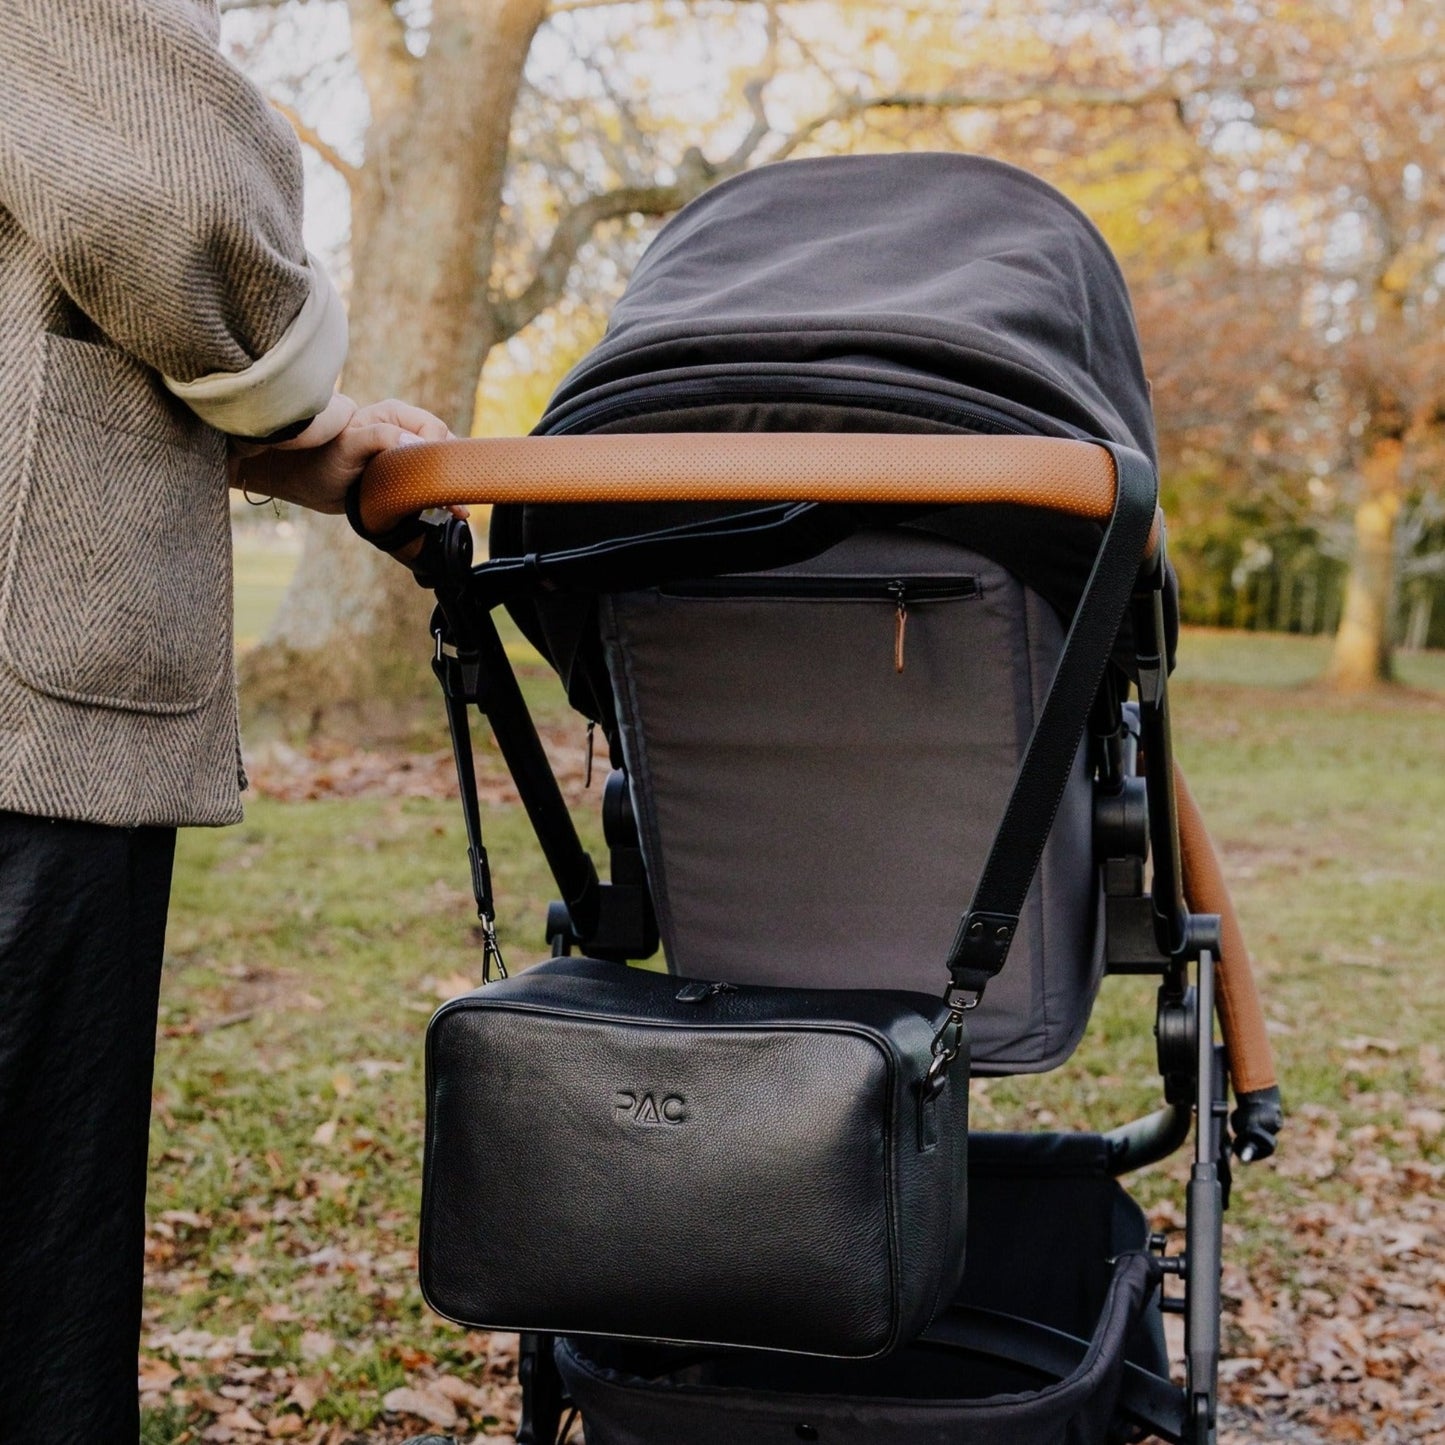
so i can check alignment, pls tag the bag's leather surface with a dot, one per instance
(617, 1152)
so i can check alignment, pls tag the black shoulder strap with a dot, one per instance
(986, 931)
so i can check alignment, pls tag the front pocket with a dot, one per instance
(117, 588)
(900, 594)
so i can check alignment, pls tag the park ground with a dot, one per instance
(308, 947)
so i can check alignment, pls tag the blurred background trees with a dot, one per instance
(487, 171)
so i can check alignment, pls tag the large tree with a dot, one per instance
(469, 150)
(429, 299)
(1220, 150)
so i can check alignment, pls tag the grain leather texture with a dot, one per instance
(1068, 476)
(755, 1169)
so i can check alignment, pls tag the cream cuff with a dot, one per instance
(292, 382)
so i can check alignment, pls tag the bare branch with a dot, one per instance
(387, 67)
(229, 7)
(694, 175)
(850, 107)
(567, 7)
(308, 136)
(1432, 565)
(575, 228)
(1166, 90)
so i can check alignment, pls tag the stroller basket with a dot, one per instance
(1052, 1340)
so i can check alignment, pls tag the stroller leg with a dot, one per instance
(1205, 1220)
(542, 1397)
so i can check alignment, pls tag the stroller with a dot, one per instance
(831, 538)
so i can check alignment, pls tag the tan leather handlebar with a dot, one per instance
(1241, 1019)
(858, 467)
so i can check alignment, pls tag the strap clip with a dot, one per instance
(491, 949)
(947, 1045)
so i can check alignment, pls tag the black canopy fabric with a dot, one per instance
(896, 292)
(954, 273)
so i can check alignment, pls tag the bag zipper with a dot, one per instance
(902, 592)
(801, 587)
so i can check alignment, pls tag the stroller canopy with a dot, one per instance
(876, 293)
(952, 274)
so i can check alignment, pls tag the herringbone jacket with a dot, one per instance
(154, 295)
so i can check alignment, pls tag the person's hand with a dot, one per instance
(316, 468)
(339, 413)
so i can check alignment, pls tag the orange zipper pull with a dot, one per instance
(900, 624)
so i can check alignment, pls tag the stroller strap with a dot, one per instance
(987, 930)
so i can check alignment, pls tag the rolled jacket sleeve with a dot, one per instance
(167, 195)
(293, 380)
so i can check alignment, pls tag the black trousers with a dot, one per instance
(82, 929)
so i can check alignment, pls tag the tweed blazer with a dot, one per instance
(154, 295)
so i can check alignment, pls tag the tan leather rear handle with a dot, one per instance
(858, 467)
(1241, 1019)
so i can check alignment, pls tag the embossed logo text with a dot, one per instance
(631, 1107)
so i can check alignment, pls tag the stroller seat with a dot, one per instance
(819, 756)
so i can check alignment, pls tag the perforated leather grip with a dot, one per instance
(1241, 1019)
(850, 467)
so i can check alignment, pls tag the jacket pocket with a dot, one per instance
(117, 590)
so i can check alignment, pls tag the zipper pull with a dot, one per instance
(699, 992)
(591, 733)
(899, 591)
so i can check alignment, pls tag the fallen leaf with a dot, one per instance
(305, 1393)
(188, 1217)
(426, 1405)
(325, 1133)
(458, 1391)
(1430, 1122)
(157, 1374)
(316, 1345)
(242, 1419)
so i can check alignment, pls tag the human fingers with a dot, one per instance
(410, 418)
(323, 428)
(363, 440)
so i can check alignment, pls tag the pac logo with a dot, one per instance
(650, 1110)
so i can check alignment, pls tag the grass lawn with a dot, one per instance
(308, 947)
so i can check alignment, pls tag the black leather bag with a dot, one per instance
(617, 1152)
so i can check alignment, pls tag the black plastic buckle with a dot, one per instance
(983, 948)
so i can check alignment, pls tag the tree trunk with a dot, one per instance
(1360, 659)
(347, 655)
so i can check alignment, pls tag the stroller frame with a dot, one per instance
(1149, 930)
